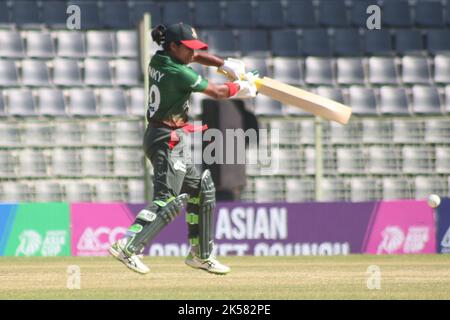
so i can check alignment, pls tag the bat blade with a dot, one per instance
(308, 101)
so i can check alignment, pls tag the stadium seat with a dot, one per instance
(442, 159)
(348, 134)
(78, 192)
(329, 160)
(350, 160)
(425, 100)
(300, 190)
(100, 133)
(127, 44)
(71, 44)
(333, 93)
(393, 100)
(382, 70)
(100, 44)
(365, 189)
(288, 70)
(51, 102)
(397, 188)
(358, 12)
(90, 14)
(68, 134)
(25, 14)
(54, 14)
(429, 14)
(15, 192)
(175, 12)
(378, 42)
(97, 72)
(396, 14)
(35, 73)
(112, 102)
(266, 106)
(438, 41)
(350, 71)
(269, 189)
(300, 14)
(116, 15)
(128, 162)
(82, 102)
(447, 98)
(66, 163)
(442, 69)
(66, 72)
(269, 14)
(48, 191)
(20, 102)
(408, 41)
(10, 134)
(254, 43)
(376, 131)
(39, 45)
(4, 15)
(7, 164)
(415, 70)
(405, 131)
(318, 71)
(288, 131)
(2, 105)
(130, 133)
(362, 100)
(316, 42)
(332, 14)
(417, 159)
(259, 64)
(424, 186)
(383, 160)
(208, 14)
(9, 75)
(137, 105)
(239, 14)
(136, 191)
(32, 164)
(334, 190)
(222, 42)
(11, 44)
(109, 191)
(347, 42)
(37, 134)
(96, 163)
(437, 131)
(127, 72)
(286, 162)
(141, 7)
(307, 132)
(285, 43)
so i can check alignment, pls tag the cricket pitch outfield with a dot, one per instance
(331, 277)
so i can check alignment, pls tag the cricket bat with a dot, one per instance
(308, 101)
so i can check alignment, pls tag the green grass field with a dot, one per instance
(339, 277)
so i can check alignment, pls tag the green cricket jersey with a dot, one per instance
(170, 86)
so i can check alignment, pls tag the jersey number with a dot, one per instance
(154, 99)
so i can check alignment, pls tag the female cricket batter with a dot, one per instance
(176, 181)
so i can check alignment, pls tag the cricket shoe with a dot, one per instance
(133, 262)
(211, 264)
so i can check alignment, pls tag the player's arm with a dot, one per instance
(207, 59)
(221, 91)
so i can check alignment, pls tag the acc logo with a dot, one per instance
(32, 243)
(97, 241)
(393, 239)
(445, 243)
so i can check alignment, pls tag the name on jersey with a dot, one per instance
(155, 74)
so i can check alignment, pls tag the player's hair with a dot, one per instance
(159, 36)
